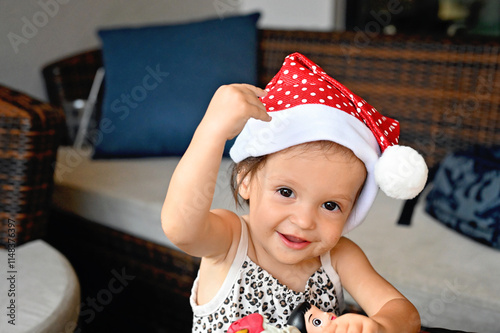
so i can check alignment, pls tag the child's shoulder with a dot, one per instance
(345, 244)
(226, 215)
(346, 250)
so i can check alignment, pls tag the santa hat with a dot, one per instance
(308, 105)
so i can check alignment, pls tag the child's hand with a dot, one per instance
(354, 323)
(231, 107)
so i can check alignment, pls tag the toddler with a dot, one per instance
(308, 163)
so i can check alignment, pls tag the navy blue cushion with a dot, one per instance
(159, 81)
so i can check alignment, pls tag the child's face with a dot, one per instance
(300, 200)
(317, 320)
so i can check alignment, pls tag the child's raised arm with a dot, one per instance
(388, 310)
(186, 217)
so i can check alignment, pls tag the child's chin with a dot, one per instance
(299, 258)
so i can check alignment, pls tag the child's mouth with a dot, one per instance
(293, 242)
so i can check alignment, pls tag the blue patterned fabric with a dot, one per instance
(466, 194)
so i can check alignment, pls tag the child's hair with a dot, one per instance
(297, 318)
(250, 165)
(245, 167)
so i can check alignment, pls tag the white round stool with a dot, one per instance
(39, 290)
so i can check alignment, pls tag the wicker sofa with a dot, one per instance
(30, 133)
(41, 288)
(441, 90)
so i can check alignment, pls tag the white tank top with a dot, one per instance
(248, 288)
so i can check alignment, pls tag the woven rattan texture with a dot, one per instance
(163, 277)
(71, 78)
(30, 132)
(154, 262)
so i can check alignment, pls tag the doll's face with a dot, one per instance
(317, 320)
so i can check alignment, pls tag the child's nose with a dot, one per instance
(304, 217)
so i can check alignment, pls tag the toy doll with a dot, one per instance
(305, 318)
(255, 323)
(309, 319)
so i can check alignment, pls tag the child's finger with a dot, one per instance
(264, 117)
(261, 112)
(256, 90)
(253, 94)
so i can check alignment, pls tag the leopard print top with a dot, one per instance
(248, 288)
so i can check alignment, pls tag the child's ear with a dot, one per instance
(244, 188)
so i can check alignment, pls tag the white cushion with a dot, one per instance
(47, 292)
(452, 280)
(124, 194)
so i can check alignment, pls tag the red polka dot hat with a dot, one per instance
(306, 105)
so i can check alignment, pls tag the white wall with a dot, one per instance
(319, 15)
(36, 32)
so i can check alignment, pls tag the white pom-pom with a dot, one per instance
(401, 172)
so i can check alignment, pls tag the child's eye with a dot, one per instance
(286, 192)
(317, 322)
(330, 205)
